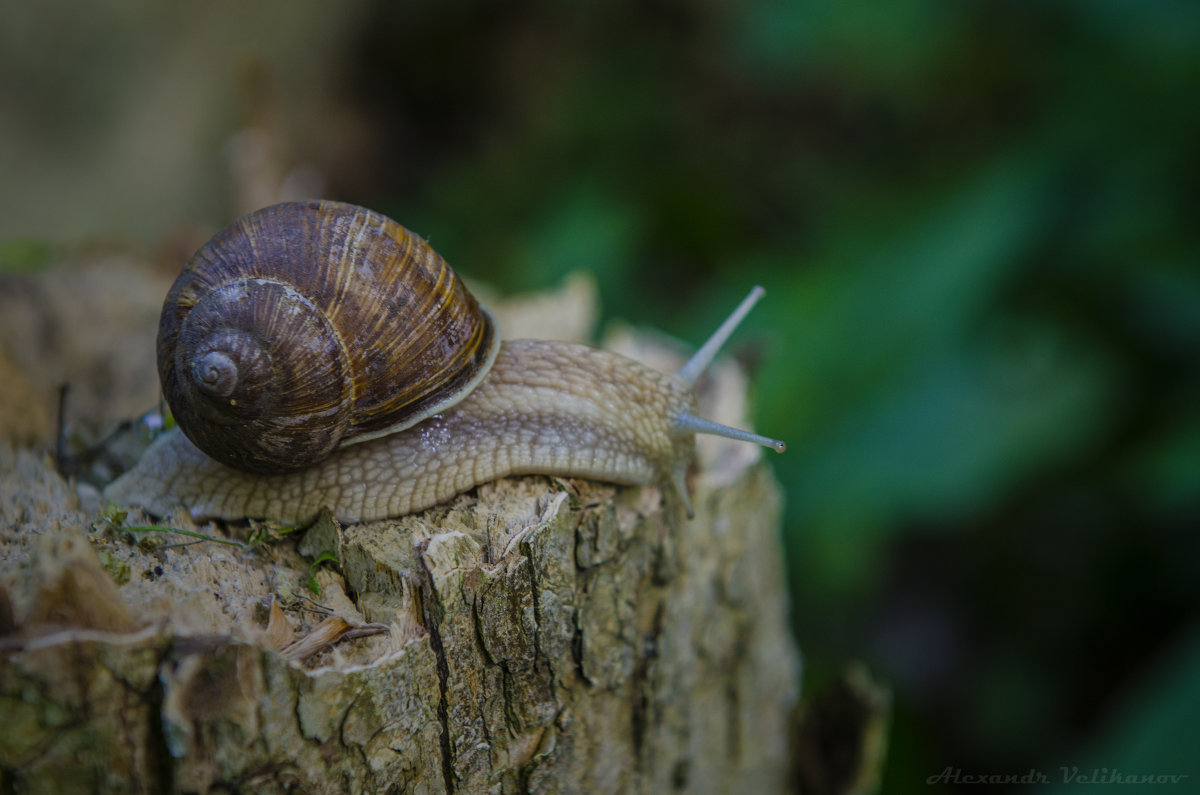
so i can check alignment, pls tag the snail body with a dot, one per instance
(541, 409)
(520, 407)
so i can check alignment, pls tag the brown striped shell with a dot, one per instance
(306, 326)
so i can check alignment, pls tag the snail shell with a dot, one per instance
(307, 326)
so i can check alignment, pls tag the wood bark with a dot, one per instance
(534, 635)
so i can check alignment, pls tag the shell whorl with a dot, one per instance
(306, 326)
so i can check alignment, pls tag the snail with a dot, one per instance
(318, 355)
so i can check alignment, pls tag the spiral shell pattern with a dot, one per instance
(306, 326)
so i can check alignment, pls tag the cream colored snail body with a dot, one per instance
(317, 355)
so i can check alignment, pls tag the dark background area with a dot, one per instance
(977, 227)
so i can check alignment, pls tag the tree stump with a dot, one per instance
(535, 635)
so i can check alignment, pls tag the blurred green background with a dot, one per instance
(977, 223)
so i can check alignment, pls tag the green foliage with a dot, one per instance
(1152, 729)
(324, 558)
(976, 226)
(22, 255)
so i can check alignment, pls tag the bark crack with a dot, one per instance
(159, 756)
(428, 607)
(535, 593)
(577, 647)
(640, 697)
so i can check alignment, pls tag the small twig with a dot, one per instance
(181, 544)
(319, 609)
(158, 528)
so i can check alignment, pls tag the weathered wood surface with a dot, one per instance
(541, 636)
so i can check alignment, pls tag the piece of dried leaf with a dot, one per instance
(279, 629)
(327, 633)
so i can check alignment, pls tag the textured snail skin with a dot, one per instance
(544, 408)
